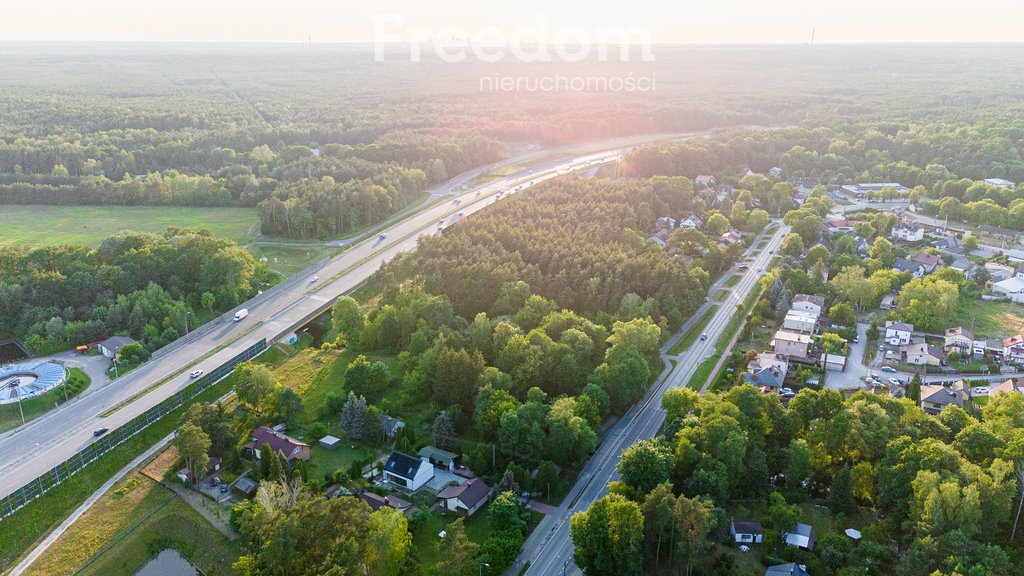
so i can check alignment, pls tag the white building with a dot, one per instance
(800, 321)
(1012, 288)
(407, 471)
(808, 303)
(908, 232)
(897, 333)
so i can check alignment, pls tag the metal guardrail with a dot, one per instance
(103, 444)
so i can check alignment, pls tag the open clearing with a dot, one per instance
(993, 320)
(89, 225)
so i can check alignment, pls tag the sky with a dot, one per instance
(663, 21)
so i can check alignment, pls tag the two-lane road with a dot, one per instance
(549, 547)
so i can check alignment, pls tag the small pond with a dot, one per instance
(169, 562)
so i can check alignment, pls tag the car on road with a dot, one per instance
(195, 374)
(100, 432)
(703, 336)
(314, 279)
(888, 369)
(786, 392)
(979, 391)
(894, 382)
(743, 267)
(758, 270)
(440, 223)
(456, 202)
(855, 340)
(382, 236)
(706, 299)
(881, 347)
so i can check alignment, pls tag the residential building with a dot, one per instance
(767, 370)
(407, 471)
(898, 333)
(1012, 288)
(466, 498)
(1009, 386)
(389, 426)
(791, 344)
(731, 236)
(800, 321)
(376, 502)
(809, 303)
(790, 569)
(691, 221)
(1013, 349)
(746, 532)
(660, 238)
(999, 183)
(999, 232)
(840, 225)
(111, 346)
(665, 223)
(930, 261)
(908, 231)
(904, 265)
(999, 272)
(802, 536)
(704, 181)
(949, 245)
(921, 354)
(287, 446)
(964, 266)
(960, 338)
(935, 398)
(775, 171)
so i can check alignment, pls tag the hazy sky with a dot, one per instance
(665, 21)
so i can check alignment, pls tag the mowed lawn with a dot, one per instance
(993, 320)
(89, 225)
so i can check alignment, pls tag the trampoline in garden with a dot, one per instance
(27, 379)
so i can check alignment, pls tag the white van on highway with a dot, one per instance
(241, 314)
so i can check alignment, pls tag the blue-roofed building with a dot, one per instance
(407, 471)
(28, 379)
(791, 569)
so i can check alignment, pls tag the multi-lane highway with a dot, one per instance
(31, 450)
(549, 548)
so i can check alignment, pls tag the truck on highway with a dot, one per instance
(241, 314)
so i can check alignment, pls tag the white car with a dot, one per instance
(196, 373)
(980, 391)
(894, 382)
(314, 279)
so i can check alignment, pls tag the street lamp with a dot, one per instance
(482, 564)
(13, 385)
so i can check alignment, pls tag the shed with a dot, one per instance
(746, 532)
(330, 441)
(246, 486)
(111, 346)
(438, 457)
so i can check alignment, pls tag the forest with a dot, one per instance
(943, 487)
(146, 286)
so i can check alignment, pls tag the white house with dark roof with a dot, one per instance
(111, 346)
(407, 471)
(465, 498)
(898, 333)
(746, 532)
(809, 303)
(908, 231)
(964, 266)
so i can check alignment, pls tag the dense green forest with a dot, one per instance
(147, 286)
(943, 487)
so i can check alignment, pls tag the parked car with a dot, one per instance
(888, 369)
(980, 391)
(881, 347)
(223, 488)
(894, 382)
(100, 432)
(855, 340)
(196, 374)
(787, 392)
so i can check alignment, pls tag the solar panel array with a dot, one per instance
(47, 376)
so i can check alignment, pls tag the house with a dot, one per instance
(908, 231)
(213, 465)
(809, 303)
(279, 443)
(960, 338)
(904, 265)
(465, 498)
(792, 344)
(1013, 349)
(897, 333)
(704, 181)
(376, 502)
(746, 532)
(731, 236)
(438, 457)
(888, 301)
(791, 569)
(802, 536)
(800, 321)
(964, 266)
(999, 232)
(389, 426)
(840, 225)
(691, 221)
(665, 223)
(835, 362)
(1012, 288)
(111, 346)
(949, 245)
(768, 370)
(999, 183)
(775, 171)
(1009, 386)
(935, 397)
(660, 238)
(998, 272)
(407, 471)
(922, 354)
(929, 261)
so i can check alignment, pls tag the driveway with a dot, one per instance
(853, 377)
(93, 365)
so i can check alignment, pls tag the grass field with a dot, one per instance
(733, 280)
(10, 415)
(990, 319)
(289, 259)
(89, 225)
(691, 335)
(128, 526)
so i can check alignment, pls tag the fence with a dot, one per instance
(100, 446)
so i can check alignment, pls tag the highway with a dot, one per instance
(31, 450)
(549, 547)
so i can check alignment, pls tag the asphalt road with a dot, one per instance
(549, 547)
(31, 450)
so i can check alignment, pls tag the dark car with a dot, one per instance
(100, 432)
